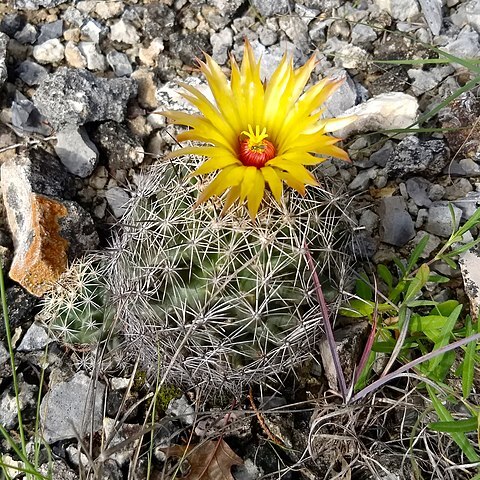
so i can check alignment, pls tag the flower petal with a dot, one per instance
(228, 177)
(296, 170)
(247, 182)
(256, 194)
(292, 182)
(274, 182)
(217, 162)
(232, 195)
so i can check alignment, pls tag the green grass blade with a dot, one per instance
(385, 274)
(459, 438)
(455, 426)
(417, 251)
(468, 367)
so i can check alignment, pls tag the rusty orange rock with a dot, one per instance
(44, 259)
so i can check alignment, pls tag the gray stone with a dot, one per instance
(76, 151)
(433, 243)
(72, 408)
(468, 204)
(369, 220)
(363, 34)
(417, 189)
(27, 35)
(36, 4)
(20, 307)
(425, 80)
(267, 36)
(432, 11)
(3, 56)
(187, 46)
(49, 31)
(361, 181)
(31, 73)
(121, 149)
(11, 23)
(27, 118)
(221, 45)
(349, 56)
(117, 199)
(72, 97)
(117, 435)
(8, 403)
(296, 30)
(74, 17)
(468, 13)
(380, 157)
(466, 45)
(412, 155)
(344, 98)
(119, 63)
(440, 220)
(59, 471)
(269, 8)
(399, 9)
(36, 338)
(436, 192)
(4, 356)
(94, 30)
(95, 59)
(396, 225)
(458, 189)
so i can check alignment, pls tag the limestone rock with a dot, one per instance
(396, 224)
(46, 229)
(72, 97)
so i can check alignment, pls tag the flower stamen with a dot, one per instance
(255, 149)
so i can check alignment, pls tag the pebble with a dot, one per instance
(436, 192)
(94, 30)
(146, 88)
(124, 32)
(117, 199)
(8, 403)
(433, 243)
(363, 34)
(119, 63)
(31, 73)
(458, 189)
(74, 56)
(106, 10)
(68, 409)
(466, 45)
(49, 31)
(36, 338)
(72, 35)
(296, 30)
(417, 189)
(52, 51)
(149, 56)
(95, 59)
(221, 45)
(432, 11)
(27, 35)
(36, 4)
(468, 204)
(76, 151)
(269, 8)
(439, 220)
(361, 181)
(267, 36)
(426, 80)
(396, 225)
(469, 262)
(399, 9)
(182, 409)
(351, 57)
(343, 98)
(369, 220)
(467, 13)
(27, 118)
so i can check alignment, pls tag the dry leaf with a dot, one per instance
(211, 460)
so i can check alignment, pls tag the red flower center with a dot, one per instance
(254, 149)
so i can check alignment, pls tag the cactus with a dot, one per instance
(221, 302)
(76, 310)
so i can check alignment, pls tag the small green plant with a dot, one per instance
(410, 328)
(19, 450)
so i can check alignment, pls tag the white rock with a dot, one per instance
(117, 434)
(51, 51)
(399, 9)
(124, 32)
(382, 112)
(95, 60)
(432, 11)
(467, 45)
(107, 10)
(182, 409)
(148, 56)
(470, 267)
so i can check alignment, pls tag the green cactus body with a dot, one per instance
(223, 301)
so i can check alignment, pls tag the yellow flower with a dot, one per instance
(258, 133)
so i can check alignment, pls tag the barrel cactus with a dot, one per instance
(219, 302)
